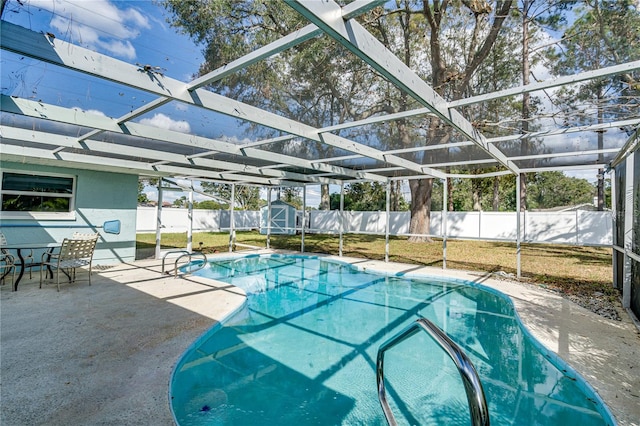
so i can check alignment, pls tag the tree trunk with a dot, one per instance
(421, 189)
(395, 196)
(496, 193)
(476, 189)
(324, 197)
(420, 209)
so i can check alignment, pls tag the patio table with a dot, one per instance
(29, 246)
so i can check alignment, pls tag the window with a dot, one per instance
(37, 196)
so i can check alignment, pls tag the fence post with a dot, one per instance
(159, 219)
(190, 228)
(341, 216)
(443, 224)
(577, 230)
(386, 227)
(268, 218)
(518, 207)
(304, 219)
(231, 207)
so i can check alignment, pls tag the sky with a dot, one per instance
(136, 32)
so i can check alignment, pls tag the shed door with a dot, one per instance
(279, 219)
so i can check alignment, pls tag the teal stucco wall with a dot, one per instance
(100, 197)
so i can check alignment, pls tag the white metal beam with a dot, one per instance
(340, 142)
(556, 132)
(342, 158)
(327, 15)
(94, 147)
(106, 163)
(310, 31)
(268, 141)
(479, 175)
(81, 118)
(465, 162)
(528, 88)
(556, 82)
(29, 43)
(594, 166)
(565, 154)
(627, 148)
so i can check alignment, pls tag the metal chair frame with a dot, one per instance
(8, 261)
(74, 253)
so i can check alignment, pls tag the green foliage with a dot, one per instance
(291, 195)
(181, 202)
(246, 197)
(209, 205)
(142, 183)
(605, 33)
(554, 189)
(142, 197)
(364, 196)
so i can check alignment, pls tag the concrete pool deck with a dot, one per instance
(103, 354)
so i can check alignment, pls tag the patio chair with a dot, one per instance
(7, 265)
(83, 236)
(6, 256)
(74, 253)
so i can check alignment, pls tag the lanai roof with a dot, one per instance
(49, 130)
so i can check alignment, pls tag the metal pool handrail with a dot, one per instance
(187, 254)
(475, 394)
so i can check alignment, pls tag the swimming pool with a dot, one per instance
(303, 351)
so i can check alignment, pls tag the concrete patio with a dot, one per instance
(103, 354)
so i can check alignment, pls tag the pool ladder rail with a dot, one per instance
(189, 256)
(472, 385)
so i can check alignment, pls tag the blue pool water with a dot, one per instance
(303, 351)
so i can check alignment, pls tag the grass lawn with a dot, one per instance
(568, 269)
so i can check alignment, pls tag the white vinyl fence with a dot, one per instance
(177, 220)
(576, 227)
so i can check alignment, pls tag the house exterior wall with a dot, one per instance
(99, 197)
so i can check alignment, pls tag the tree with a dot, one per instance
(451, 74)
(321, 83)
(142, 183)
(180, 202)
(291, 195)
(209, 205)
(605, 33)
(142, 196)
(365, 196)
(246, 197)
(554, 189)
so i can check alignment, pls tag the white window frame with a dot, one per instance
(34, 215)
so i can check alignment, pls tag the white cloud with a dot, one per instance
(96, 112)
(89, 111)
(234, 140)
(165, 122)
(118, 48)
(590, 175)
(97, 24)
(179, 106)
